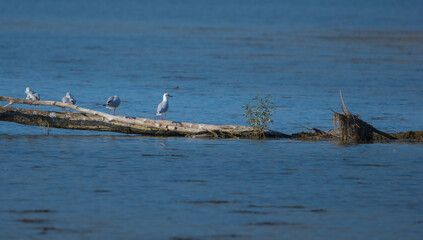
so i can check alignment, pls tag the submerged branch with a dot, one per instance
(317, 134)
(343, 107)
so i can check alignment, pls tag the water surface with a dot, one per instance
(213, 57)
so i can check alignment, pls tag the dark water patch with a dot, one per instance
(352, 178)
(32, 211)
(393, 205)
(172, 149)
(280, 173)
(133, 55)
(100, 166)
(75, 70)
(33, 220)
(264, 55)
(368, 60)
(215, 29)
(184, 77)
(176, 72)
(368, 165)
(12, 72)
(275, 206)
(319, 210)
(95, 48)
(364, 183)
(214, 144)
(251, 212)
(78, 61)
(405, 175)
(216, 202)
(36, 166)
(101, 191)
(219, 236)
(413, 205)
(418, 222)
(189, 180)
(292, 207)
(219, 56)
(372, 37)
(202, 29)
(130, 76)
(227, 236)
(380, 118)
(162, 155)
(184, 238)
(45, 230)
(250, 39)
(284, 224)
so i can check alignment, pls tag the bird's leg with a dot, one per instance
(109, 110)
(165, 116)
(114, 111)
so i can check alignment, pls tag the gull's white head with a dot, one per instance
(27, 90)
(165, 96)
(68, 95)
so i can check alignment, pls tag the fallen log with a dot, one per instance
(409, 135)
(88, 119)
(315, 135)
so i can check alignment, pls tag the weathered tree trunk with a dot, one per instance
(351, 127)
(93, 120)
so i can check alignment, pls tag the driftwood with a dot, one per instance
(347, 125)
(88, 119)
(316, 134)
(350, 127)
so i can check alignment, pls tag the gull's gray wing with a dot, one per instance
(109, 100)
(37, 96)
(162, 108)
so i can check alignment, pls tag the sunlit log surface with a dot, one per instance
(87, 119)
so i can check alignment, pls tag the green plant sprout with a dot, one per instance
(258, 113)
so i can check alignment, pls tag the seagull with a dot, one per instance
(163, 106)
(33, 96)
(68, 99)
(112, 103)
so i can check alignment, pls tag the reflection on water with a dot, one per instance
(214, 57)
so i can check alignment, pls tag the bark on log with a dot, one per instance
(93, 120)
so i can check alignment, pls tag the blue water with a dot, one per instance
(213, 57)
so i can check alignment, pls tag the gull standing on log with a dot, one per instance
(112, 103)
(163, 106)
(33, 96)
(68, 99)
